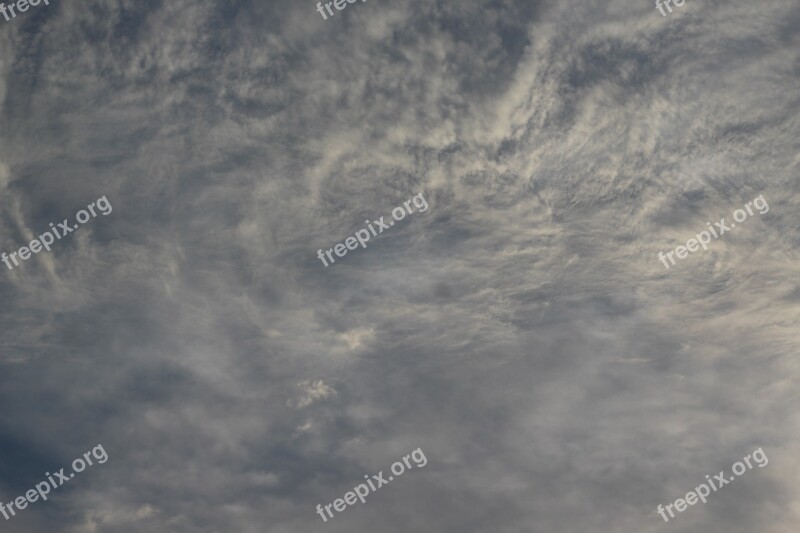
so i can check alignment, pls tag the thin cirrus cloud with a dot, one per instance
(521, 331)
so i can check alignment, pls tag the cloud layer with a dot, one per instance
(521, 331)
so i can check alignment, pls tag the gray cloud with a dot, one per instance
(521, 331)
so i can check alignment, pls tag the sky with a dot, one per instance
(521, 332)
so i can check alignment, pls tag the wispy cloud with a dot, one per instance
(522, 332)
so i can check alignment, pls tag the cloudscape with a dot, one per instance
(419, 266)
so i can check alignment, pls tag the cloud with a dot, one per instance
(521, 331)
(310, 392)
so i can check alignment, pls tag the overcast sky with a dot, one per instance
(522, 331)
